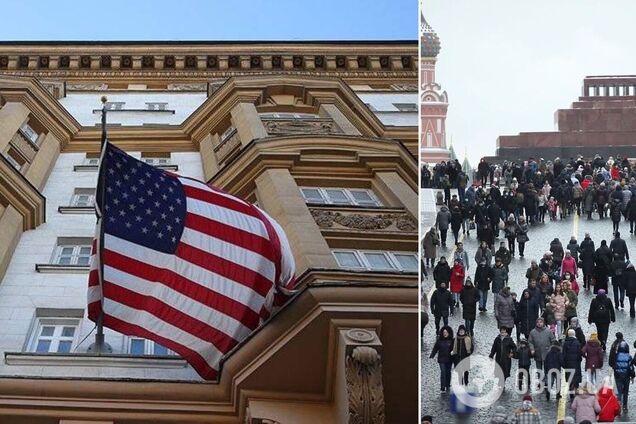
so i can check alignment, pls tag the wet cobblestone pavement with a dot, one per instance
(436, 403)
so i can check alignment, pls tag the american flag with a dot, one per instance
(184, 264)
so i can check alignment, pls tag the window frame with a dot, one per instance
(406, 107)
(149, 346)
(114, 106)
(157, 106)
(29, 133)
(348, 192)
(10, 156)
(390, 256)
(74, 256)
(78, 192)
(56, 338)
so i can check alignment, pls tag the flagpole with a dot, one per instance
(99, 346)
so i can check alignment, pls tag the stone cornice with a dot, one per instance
(315, 306)
(41, 103)
(17, 191)
(350, 60)
(336, 155)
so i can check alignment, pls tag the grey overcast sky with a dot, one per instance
(509, 65)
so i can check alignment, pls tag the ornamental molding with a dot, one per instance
(363, 374)
(364, 221)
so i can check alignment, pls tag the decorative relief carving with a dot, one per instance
(363, 374)
(78, 86)
(187, 87)
(360, 335)
(280, 126)
(360, 221)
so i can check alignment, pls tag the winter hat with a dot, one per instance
(571, 332)
(555, 342)
(594, 336)
(619, 335)
(527, 397)
(601, 292)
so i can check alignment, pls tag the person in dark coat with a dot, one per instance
(578, 331)
(441, 305)
(483, 278)
(617, 269)
(611, 358)
(571, 359)
(574, 248)
(441, 272)
(443, 348)
(457, 217)
(631, 213)
(527, 313)
(557, 251)
(552, 367)
(616, 214)
(469, 296)
(503, 254)
(619, 246)
(601, 314)
(522, 235)
(623, 372)
(463, 347)
(602, 261)
(503, 349)
(524, 355)
(629, 280)
(587, 256)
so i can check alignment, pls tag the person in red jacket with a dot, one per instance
(610, 408)
(457, 280)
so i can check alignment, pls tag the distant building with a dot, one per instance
(433, 100)
(602, 121)
(323, 136)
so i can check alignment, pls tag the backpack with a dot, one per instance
(602, 312)
(623, 363)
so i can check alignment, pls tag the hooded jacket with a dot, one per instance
(609, 405)
(540, 340)
(469, 296)
(441, 302)
(443, 218)
(585, 406)
(593, 353)
(504, 310)
(443, 347)
(441, 273)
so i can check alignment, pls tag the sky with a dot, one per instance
(209, 20)
(507, 66)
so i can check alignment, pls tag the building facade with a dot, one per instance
(433, 100)
(602, 121)
(323, 136)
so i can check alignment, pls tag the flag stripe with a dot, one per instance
(119, 320)
(188, 270)
(244, 257)
(202, 186)
(226, 216)
(232, 235)
(168, 314)
(224, 268)
(179, 284)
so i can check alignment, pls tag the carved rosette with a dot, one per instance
(358, 221)
(363, 373)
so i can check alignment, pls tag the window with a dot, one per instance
(114, 105)
(288, 115)
(371, 107)
(340, 196)
(15, 159)
(73, 251)
(156, 106)
(376, 260)
(91, 161)
(139, 346)
(54, 335)
(227, 134)
(406, 107)
(29, 133)
(156, 161)
(83, 197)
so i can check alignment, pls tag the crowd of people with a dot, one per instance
(542, 323)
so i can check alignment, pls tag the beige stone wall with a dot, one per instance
(247, 122)
(40, 169)
(208, 157)
(279, 195)
(12, 116)
(10, 232)
(393, 186)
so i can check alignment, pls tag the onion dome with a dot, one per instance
(430, 41)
